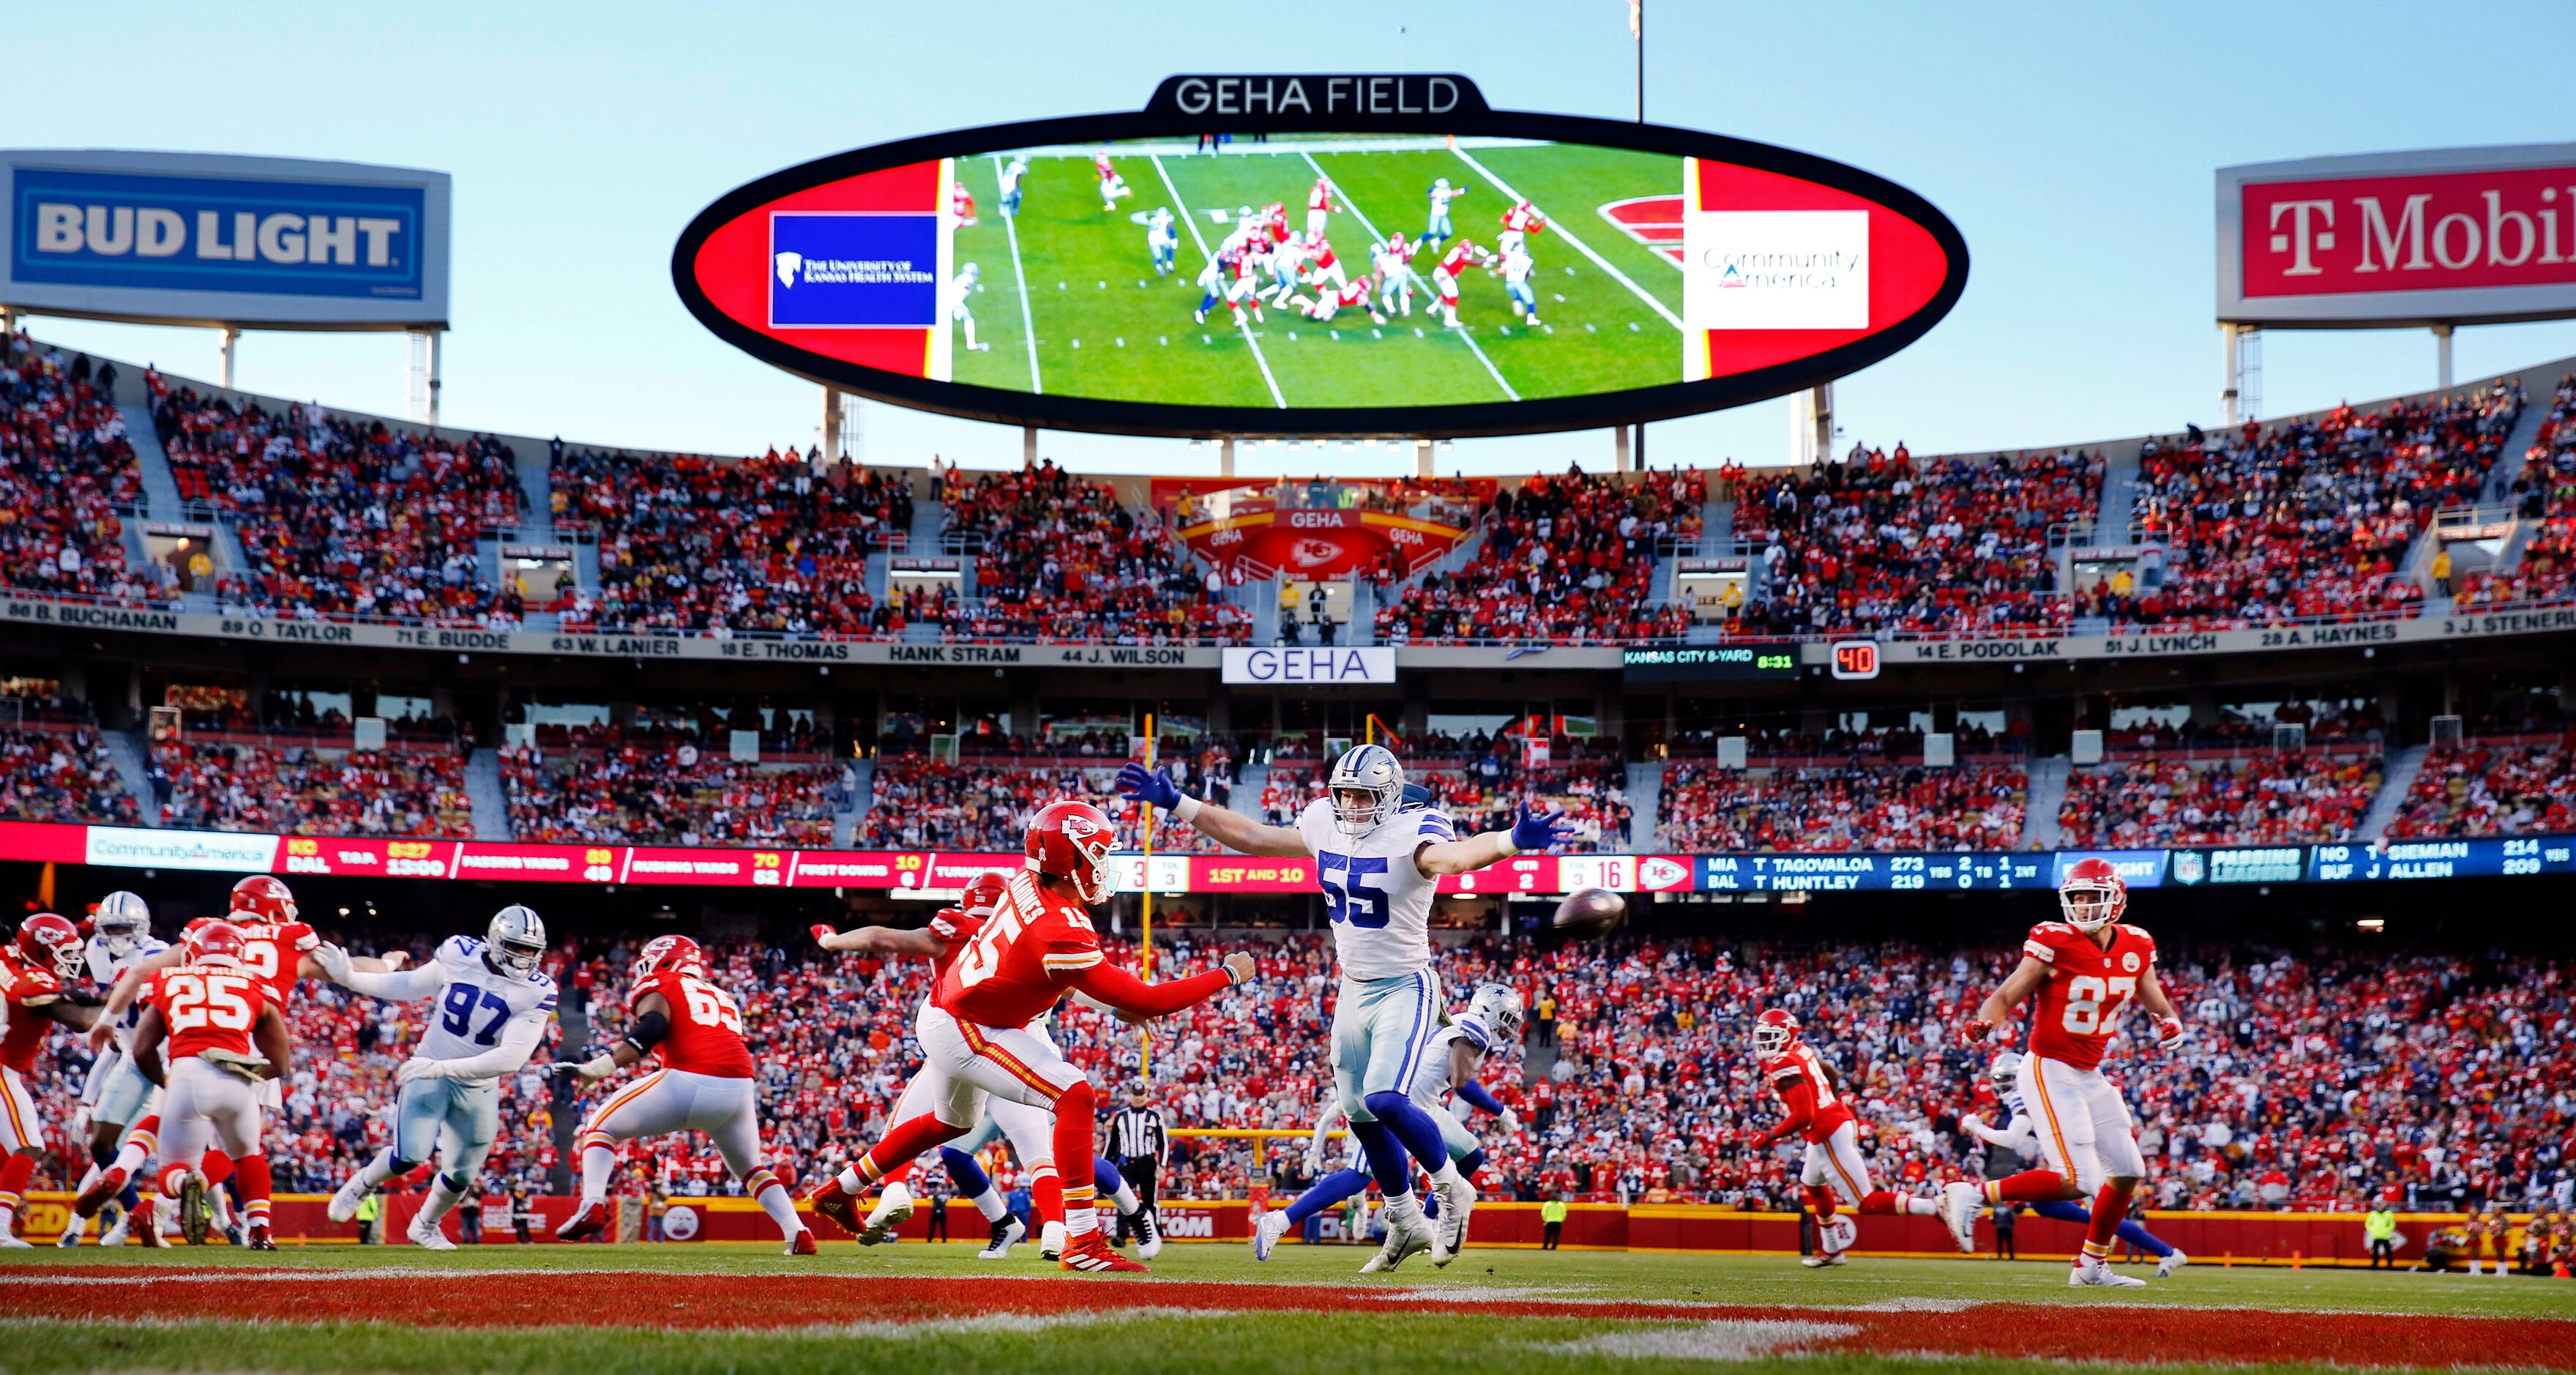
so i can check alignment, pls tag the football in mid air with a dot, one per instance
(1591, 913)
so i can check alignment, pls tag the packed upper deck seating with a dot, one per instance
(65, 467)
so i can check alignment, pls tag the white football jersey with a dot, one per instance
(474, 1004)
(1431, 1077)
(104, 969)
(1379, 902)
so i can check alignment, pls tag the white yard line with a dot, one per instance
(1028, 324)
(1182, 204)
(1579, 245)
(1353, 207)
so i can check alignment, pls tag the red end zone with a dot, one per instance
(749, 1302)
(1655, 221)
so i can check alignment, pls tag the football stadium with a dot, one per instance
(1292, 775)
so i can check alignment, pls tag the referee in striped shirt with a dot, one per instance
(1137, 1143)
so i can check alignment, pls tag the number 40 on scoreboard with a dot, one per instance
(1856, 659)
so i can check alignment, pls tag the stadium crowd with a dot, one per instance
(2307, 520)
(773, 544)
(1852, 806)
(340, 518)
(2544, 493)
(1058, 558)
(1943, 547)
(2311, 1081)
(1567, 559)
(295, 788)
(66, 467)
(63, 775)
(2261, 799)
(2481, 789)
(646, 793)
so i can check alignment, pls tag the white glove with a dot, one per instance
(1314, 1162)
(1511, 1123)
(2170, 1033)
(420, 1067)
(596, 1067)
(334, 961)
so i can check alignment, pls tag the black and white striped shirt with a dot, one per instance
(1137, 1132)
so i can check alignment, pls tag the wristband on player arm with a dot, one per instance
(648, 1032)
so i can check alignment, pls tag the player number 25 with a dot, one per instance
(2085, 996)
(209, 1000)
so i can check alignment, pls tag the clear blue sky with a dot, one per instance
(2073, 145)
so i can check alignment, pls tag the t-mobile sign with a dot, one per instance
(2355, 240)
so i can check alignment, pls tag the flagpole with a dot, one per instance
(1145, 960)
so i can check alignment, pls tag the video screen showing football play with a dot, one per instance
(1654, 710)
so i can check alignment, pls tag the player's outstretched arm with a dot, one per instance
(1999, 1004)
(352, 972)
(1127, 993)
(878, 940)
(651, 1023)
(518, 1042)
(1536, 830)
(1231, 829)
(129, 985)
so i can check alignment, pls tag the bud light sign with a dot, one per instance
(230, 240)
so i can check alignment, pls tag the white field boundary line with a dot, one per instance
(1028, 323)
(1580, 246)
(1656, 246)
(1206, 257)
(1353, 207)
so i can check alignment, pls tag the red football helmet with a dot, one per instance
(264, 896)
(669, 952)
(984, 894)
(1071, 840)
(215, 942)
(2092, 895)
(1774, 1031)
(48, 940)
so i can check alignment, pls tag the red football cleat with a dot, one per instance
(109, 1183)
(831, 1201)
(803, 1245)
(1092, 1254)
(589, 1222)
(259, 1238)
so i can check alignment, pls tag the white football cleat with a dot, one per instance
(1149, 1235)
(425, 1234)
(2093, 1273)
(72, 1231)
(1266, 1232)
(1051, 1241)
(344, 1204)
(1959, 1213)
(11, 1241)
(1818, 1261)
(1457, 1201)
(2174, 1260)
(1402, 1241)
(1008, 1231)
(894, 1208)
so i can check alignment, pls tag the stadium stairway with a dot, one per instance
(1249, 780)
(1645, 789)
(536, 495)
(126, 748)
(2403, 766)
(2518, 440)
(483, 788)
(160, 486)
(863, 786)
(2119, 506)
(2048, 777)
(929, 522)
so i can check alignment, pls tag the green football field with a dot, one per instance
(1209, 1308)
(1070, 305)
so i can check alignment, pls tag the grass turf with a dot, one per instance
(1114, 1325)
(1104, 325)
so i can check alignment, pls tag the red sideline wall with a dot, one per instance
(2249, 1237)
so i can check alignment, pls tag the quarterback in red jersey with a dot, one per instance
(705, 1085)
(209, 1032)
(35, 970)
(1819, 1114)
(2086, 970)
(974, 1031)
(1453, 264)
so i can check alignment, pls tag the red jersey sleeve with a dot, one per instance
(1780, 1068)
(298, 937)
(31, 987)
(2146, 944)
(1072, 946)
(2047, 940)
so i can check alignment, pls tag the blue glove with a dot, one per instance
(1537, 830)
(1152, 787)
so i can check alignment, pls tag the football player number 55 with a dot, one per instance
(208, 1000)
(2087, 998)
(1351, 897)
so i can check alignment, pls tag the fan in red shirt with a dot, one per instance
(704, 1085)
(33, 972)
(208, 1035)
(2085, 970)
(1816, 1112)
(1039, 946)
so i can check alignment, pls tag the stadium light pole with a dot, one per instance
(1633, 455)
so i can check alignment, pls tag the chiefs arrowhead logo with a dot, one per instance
(1094, 838)
(1656, 872)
